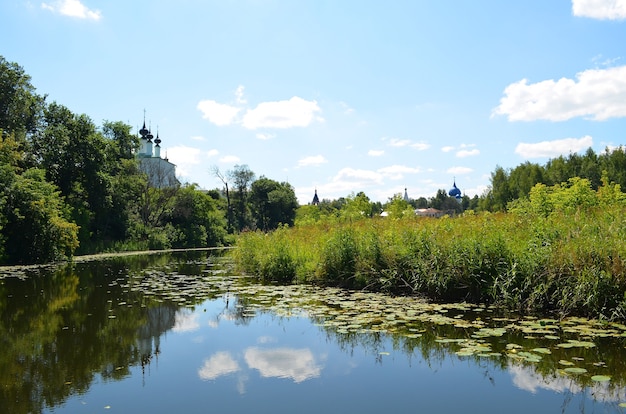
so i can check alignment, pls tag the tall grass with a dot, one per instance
(565, 263)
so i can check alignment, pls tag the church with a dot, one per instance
(161, 173)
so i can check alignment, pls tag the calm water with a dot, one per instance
(177, 333)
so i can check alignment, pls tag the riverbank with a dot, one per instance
(563, 264)
(20, 269)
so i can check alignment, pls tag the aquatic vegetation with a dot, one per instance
(570, 262)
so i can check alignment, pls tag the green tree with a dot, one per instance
(196, 219)
(272, 203)
(20, 107)
(33, 214)
(356, 207)
(397, 207)
(241, 177)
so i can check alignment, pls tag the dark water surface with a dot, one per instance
(178, 333)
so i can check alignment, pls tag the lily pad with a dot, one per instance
(601, 378)
(575, 370)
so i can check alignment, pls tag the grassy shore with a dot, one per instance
(564, 263)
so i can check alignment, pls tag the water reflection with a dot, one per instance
(528, 379)
(221, 363)
(78, 329)
(296, 364)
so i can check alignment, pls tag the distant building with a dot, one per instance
(429, 212)
(406, 196)
(161, 173)
(316, 199)
(455, 192)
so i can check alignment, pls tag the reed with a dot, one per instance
(569, 262)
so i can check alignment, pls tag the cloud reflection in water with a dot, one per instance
(297, 364)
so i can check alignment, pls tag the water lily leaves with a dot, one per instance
(564, 362)
(601, 378)
(542, 351)
(486, 332)
(573, 343)
(575, 370)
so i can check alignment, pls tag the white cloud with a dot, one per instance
(212, 153)
(217, 113)
(347, 110)
(598, 94)
(447, 148)
(420, 146)
(459, 170)
(358, 176)
(467, 153)
(313, 160)
(265, 137)
(72, 8)
(296, 112)
(396, 172)
(198, 138)
(229, 159)
(553, 148)
(375, 153)
(184, 157)
(395, 142)
(296, 364)
(600, 9)
(222, 363)
(185, 321)
(239, 95)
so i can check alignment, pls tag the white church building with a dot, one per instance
(161, 173)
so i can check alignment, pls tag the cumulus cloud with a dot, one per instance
(265, 137)
(72, 8)
(597, 94)
(184, 157)
(420, 146)
(239, 95)
(553, 148)
(217, 113)
(447, 148)
(212, 153)
(396, 172)
(600, 9)
(396, 142)
(295, 112)
(467, 153)
(375, 153)
(312, 161)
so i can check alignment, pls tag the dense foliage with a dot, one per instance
(72, 187)
(69, 186)
(561, 250)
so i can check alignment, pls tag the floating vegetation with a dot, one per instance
(601, 378)
(575, 370)
(459, 330)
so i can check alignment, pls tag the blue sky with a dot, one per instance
(340, 96)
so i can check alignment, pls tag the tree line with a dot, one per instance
(69, 186)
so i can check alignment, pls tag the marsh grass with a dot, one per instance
(572, 263)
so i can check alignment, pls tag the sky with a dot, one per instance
(338, 96)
